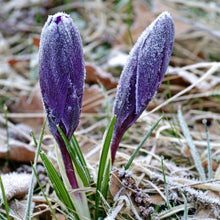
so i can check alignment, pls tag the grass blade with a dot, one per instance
(78, 152)
(3, 217)
(44, 193)
(76, 161)
(165, 185)
(31, 189)
(106, 179)
(185, 205)
(209, 151)
(189, 140)
(102, 164)
(141, 144)
(58, 185)
(7, 134)
(5, 199)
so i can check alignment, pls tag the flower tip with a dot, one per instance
(166, 16)
(58, 19)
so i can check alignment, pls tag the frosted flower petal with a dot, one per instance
(142, 74)
(61, 73)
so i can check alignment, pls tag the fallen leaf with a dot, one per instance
(15, 185)
(115, 183)
(157, 199)
(181, 27)
(29, 104)
(122, 184)
(18, 151)
(36, 40)
(20, 65)
(59, 217)
(143, 16)
(92, 98)
(19, 207)
(95, 74)
(32, 103)
(14, 134)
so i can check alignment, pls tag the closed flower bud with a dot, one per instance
(142, 75)
(61, 74)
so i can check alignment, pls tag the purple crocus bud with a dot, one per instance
(142, 75)
(61, 74)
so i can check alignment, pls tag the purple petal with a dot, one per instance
(61, 73)
(142, 74)
(155, 48)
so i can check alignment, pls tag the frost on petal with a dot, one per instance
(61, 72)
(142, 74)
(156, 45)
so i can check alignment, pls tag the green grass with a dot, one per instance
(4, 199)
(102, 167)
(31, 189)
(141, 144)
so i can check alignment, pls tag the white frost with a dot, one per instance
(15, 185)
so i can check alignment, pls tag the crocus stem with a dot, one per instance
(68, 165)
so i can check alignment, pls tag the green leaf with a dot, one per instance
(31, 189)
(78, 152)
(5, 199)
(141, 144)
(209, 151)
(76, 160)
(189, 140)
(58, 185)
(102, 164)
(106, 179)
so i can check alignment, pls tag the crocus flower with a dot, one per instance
(61, 74)
(142, 75)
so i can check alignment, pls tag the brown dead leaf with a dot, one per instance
(122, 183)
(115, 184)
(19, 207)
(206, 212)
(95, 74)
(15, 185)
(29, 104)
(14, 134)
(143, 16)
(59, 217)
(180, 26)
(32, 103)
(36, 41)
(214, 164)
(92, 99)
(20, 65)
(18, 151)
(157, 199)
